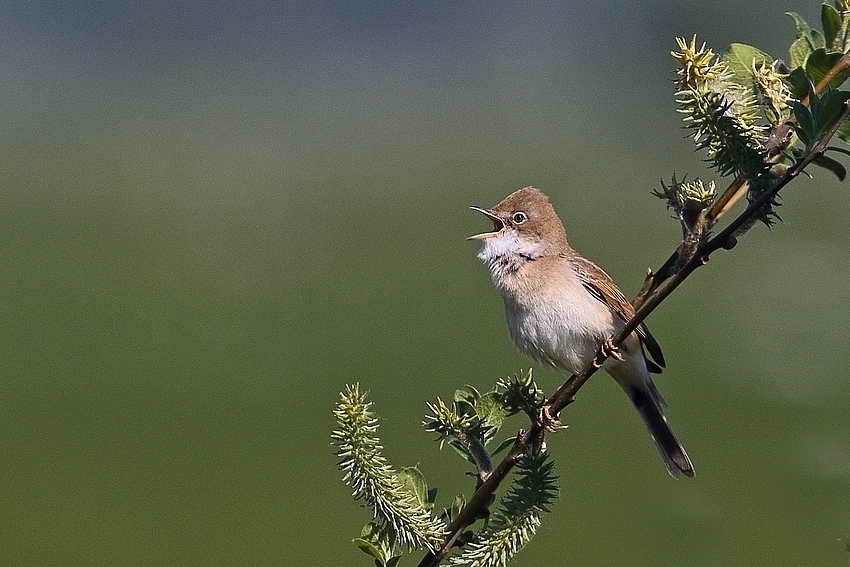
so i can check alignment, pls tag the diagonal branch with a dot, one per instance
(565, 395)
(778, 139)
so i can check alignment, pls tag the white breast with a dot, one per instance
(551, 317)
(560, 332)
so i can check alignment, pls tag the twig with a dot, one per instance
(568, 390)
(779, 137)
(840, 66)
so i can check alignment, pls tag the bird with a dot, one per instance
(561, 308)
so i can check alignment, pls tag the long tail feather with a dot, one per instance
(650, 408)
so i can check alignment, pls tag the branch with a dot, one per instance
(840, 66)
(649, 301)
(779, 137)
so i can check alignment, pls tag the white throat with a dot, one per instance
(506, 252)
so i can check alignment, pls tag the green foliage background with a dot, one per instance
(213, 218)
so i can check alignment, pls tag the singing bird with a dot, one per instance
(561, 307)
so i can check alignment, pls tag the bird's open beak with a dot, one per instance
(498, 225)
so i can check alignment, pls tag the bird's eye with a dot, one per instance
(519, 217)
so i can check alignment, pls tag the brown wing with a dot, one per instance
(602, 287)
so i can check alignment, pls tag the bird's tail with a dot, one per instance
(650, 405)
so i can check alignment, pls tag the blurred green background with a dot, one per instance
(214, 216)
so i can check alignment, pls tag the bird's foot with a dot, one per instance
(547, 421)
(612, 351)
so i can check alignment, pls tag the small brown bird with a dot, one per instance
(561, 307)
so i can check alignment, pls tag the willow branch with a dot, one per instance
(566, 394)
(840, 66)
(778, 139)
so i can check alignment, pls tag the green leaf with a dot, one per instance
(814, 108)
(803, 29)
(484, 513)
(818, 41)
(462, 395)
(830, 106)
(469, 395)
(432, 498)
(800, 51)
(465, 537)
(461, 450)
(374, 541)
(413, 481)
(844, 34)
(831, 21)
(450, 513)
(458, 505)
(844, 151)
(393, 562)
(509, 442)
(832, 165)
(369, 548)
(801, 83)
(740, 57)
(806, 125)
(490, 409)
(819, 64)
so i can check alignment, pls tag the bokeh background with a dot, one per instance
(213, 216)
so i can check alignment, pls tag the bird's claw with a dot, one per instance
(547, 421)
(610, 350)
